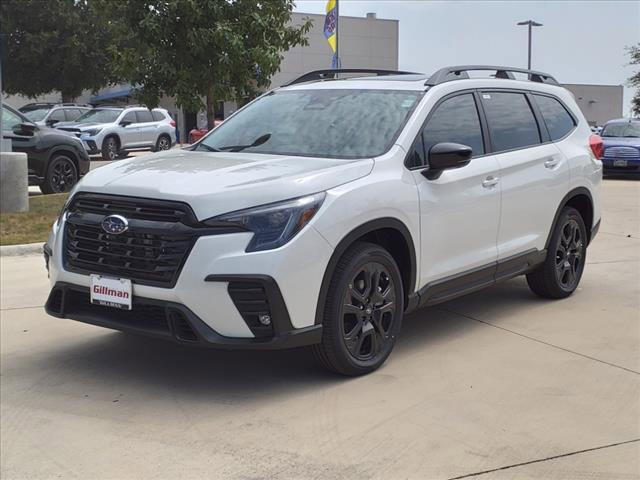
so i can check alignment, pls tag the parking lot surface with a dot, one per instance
(499, 384)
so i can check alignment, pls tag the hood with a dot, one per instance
(622, 141)
(216, 183)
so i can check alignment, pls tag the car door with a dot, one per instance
(459, 210)
(147, 127)
(534, 174)
(128, 130)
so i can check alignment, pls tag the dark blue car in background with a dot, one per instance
(621, 146)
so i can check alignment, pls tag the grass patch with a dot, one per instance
(34, 225)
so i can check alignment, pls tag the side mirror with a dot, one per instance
(51, 123)
(26, 129)
(444, 156)
(125, 123)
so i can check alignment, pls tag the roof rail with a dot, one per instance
(448, 74)
(332, 74)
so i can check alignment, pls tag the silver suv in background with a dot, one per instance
(49, 114)
(113, 131)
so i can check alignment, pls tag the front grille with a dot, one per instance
(622, 152)
(151, 252)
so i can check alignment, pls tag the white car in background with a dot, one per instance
(323, 211)
(113, 131)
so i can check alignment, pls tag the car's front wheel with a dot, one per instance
(110, 148)
(559, 275)
(61, 175)
(363, 311)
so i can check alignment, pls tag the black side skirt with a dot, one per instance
(476, 279)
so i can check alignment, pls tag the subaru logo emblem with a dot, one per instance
(115, 224)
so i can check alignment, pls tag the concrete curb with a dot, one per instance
(25, 249)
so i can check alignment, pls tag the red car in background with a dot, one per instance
(197, 133)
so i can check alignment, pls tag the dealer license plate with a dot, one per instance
(619, 163)
(111, 292)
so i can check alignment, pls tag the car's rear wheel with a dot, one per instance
(110, 148)
(163, 143)
(61, 175)
(363, 311)
(560, 274)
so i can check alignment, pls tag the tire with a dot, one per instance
(61, 175)
(359, 329)
(122, 154)
(110, 148)
(163, 143)
(560, 274)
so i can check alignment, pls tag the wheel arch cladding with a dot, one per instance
(389, 233)
(580, 199)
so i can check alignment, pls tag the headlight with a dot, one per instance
(274, 224)
(93, 132)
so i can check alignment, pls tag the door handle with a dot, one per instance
(490, 181)
(552, 162)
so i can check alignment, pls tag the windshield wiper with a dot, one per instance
(237, 148)
(207, 147)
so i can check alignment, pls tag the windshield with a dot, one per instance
(99, 115)
(629, 129)
(316, 123)
(35, 114)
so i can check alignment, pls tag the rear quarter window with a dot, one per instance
(157, 116)
(559, 122)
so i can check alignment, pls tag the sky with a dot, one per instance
(579, 42)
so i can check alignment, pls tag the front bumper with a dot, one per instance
(209, 292)
(170, 321)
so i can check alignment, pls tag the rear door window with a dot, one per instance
(555, 116)
(144, 116)
(512, 123)
(157, 116)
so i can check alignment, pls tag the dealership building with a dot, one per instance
(365, 42)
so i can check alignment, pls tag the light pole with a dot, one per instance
(530, 24)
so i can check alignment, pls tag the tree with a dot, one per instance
(56, 45)
(213, 49)
(634, 81)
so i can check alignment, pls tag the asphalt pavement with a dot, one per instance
(497, 385)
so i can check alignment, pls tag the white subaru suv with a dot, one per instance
(323, 211)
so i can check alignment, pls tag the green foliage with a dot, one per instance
(634, 81)
(189, 49)
(53, 45)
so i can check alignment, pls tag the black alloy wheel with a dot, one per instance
(362, 312)
(368, 310)
(569, 252)
(62, 175)
(559, 275)
(164, 143)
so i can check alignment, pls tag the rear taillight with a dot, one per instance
(172, 123)
(597, 147)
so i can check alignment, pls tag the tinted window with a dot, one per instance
(72, 113)
(9, 119)
(627, 129)
(157, 116)
(556, 117)
(57, 115)
(337, 123)
(144, 116)
(100, 115)
(511, 121)
(130, 117)
(416, 159)
(455, 120)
